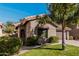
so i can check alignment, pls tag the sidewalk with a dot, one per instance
(26, 49)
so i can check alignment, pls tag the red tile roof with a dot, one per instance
(16, 25)
(31, 17)
(23, 21)
(34, 17)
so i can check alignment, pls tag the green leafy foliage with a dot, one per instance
(9, 45)
(65, 14)
(43, 20)
(31, 41)
(53, 39)
(9, 27)
(68, 12)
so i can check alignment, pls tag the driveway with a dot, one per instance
(71, 42)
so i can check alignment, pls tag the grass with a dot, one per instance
(53, 50)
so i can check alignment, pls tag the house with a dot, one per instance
(1, 26)
(75, 31)
(29, 26)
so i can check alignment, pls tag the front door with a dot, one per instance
(22, 35)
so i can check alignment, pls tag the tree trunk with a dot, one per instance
(63, 28)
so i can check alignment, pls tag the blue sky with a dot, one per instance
(16, 11)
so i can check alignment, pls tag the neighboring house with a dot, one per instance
(1, 26)
(75, 31)
(29, 26)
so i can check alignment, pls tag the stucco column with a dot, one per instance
(19, 32)
(67, 35)
(0, 32)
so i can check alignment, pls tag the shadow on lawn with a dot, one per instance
(50, 48)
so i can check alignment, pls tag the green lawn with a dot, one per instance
(53, 50)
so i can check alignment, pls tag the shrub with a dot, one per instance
(70, 37)
(77, 37)
(53, 39)
(31, 41)
(9, 45)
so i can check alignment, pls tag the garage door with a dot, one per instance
(59, 34)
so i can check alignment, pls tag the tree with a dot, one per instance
(43, 19)
(63, 14)
(9, 27)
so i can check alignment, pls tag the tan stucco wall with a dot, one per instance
(0, 31)
(33, 24)
(68, 35)
(18, 30)
(51, 30)
(30, 27)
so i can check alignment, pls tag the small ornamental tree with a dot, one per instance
(64, 14)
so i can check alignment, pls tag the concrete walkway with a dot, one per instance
(71, 42)
(26, 49)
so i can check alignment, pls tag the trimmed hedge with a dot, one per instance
(31, 41)
(9, 45)
(53, 39)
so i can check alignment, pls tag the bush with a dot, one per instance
(70, 37)
(31, 41)
(77, 38)
(9, 45)
(53, 39)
